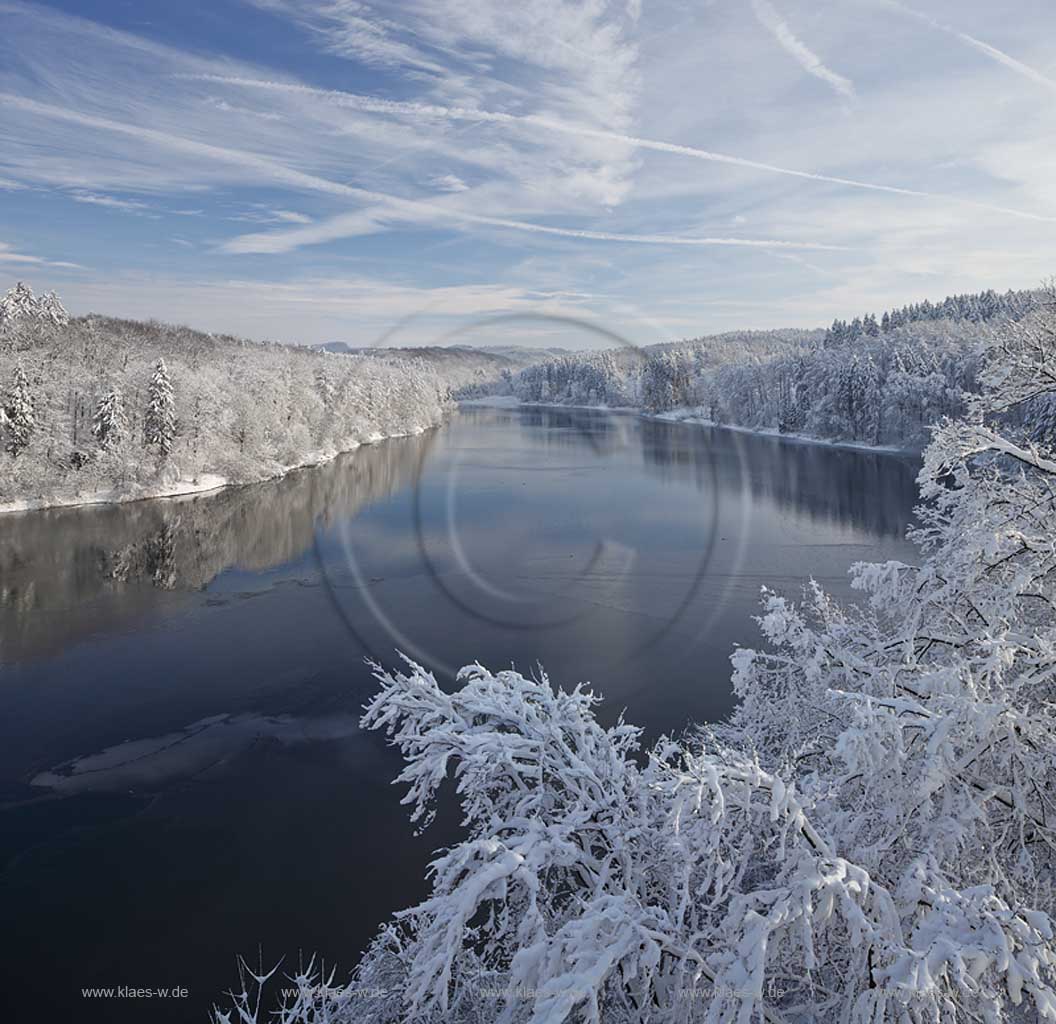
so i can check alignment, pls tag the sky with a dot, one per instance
(498, 172)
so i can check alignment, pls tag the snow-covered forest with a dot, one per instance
(870, 837)
(96, 408)
(878, 381)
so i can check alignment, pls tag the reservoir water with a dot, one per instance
(182, 774)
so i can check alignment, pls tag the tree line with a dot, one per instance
(98, 406)
(877, 382)
(978, 307)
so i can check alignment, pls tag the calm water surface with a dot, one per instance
(182, 776)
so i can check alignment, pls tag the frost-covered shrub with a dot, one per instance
(869, 837)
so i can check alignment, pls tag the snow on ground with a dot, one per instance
(204, 484)
(177, 488)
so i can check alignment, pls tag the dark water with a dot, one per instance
(182, 777)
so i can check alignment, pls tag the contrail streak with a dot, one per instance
(977, 44)
(372, 105)
(276, 171)
(769, 17)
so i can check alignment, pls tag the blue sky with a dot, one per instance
(315, 170)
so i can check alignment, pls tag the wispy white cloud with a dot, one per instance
(448, 183)
(350, 29)
(9, 255)
(800, 261)
(261, 167)
(348, 225)
(577, 61)
(595, 149)
(434, 111)
(291, 217)
(111, 202)
(770, 18)
(641, 239)
(232, 108)
(359, 309)
(395, 208)
(261, 214)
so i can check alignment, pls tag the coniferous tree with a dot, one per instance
(110, 424)
(324, 386)
(159, 425)
(51, 310)
(21, 415)
(19, 304)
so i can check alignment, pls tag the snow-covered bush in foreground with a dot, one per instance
(869, 838)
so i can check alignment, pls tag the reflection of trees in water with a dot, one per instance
(868, 490)
(603, 432)
(153, 558)
(55, 561)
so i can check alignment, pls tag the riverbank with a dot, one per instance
(692, 416)
(205, 483)
(120, 411)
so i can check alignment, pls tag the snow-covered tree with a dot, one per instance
(658, 383)
(110, 424)
(50, 310)
(324, 385)
(251, 408)
(19, 304)
(159, 423)
(870, 837)
(856, 382)
(20, 419)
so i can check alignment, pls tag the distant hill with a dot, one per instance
(468, 370)
(510, 355)
(519, 352)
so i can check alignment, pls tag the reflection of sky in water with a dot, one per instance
(190, 726)
(574, 538)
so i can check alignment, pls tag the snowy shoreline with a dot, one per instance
(206, 483)
(209, 483)
(689, 415)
